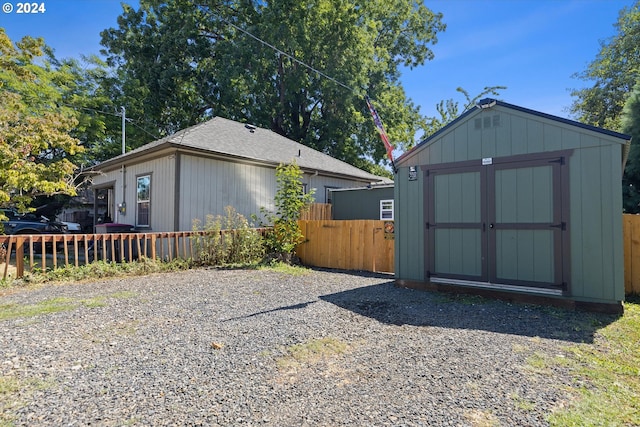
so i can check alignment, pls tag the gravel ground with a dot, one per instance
(236, 347)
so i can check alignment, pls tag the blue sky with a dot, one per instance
(532, 47)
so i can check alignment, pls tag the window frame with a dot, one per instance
(386, 210)
(142, 201)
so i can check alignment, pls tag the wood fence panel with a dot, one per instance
(347, 245)
(62, 250)
(384, 254)
(367, 243)
(316, 212)
(356, 250)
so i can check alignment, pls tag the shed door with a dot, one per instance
(455, 224)
(504, 222)
(526, 223)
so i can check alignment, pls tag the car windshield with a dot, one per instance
(9, 214)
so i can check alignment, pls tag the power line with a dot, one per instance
(293, 58)
(376, 119)
(128, 120)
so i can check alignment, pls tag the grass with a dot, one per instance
(144, 266)
(55, 305)
(606, 376)
(14, 394)
(281, 267)
(311, 352)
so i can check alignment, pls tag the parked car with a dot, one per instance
(30, 224)
(73, 227)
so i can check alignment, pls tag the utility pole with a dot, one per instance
(123, 129)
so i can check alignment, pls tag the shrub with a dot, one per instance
(290, 200)
(227, 240)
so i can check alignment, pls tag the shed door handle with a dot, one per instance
(491, 225)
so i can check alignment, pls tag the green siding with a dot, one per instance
(595, 199)
(359, 203)
(409, 227)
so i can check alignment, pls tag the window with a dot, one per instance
(143, 200)
(386, 210)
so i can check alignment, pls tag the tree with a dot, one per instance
(35, 140)
(449, 110)
(80, 85)
(631, 125)
(290, 200)
(180, 62)
(613, 72)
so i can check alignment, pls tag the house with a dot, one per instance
(374, 201)
(167, 184)
(517, 204)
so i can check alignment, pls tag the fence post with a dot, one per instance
(153, 247)
(8, 258)
(19, 257)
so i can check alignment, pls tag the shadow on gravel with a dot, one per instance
(289, 307)
(389, 304)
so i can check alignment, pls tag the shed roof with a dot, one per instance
(228, 138)
(368, 187)
(487, 103)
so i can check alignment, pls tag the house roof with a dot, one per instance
(490, 102)
(228, 138)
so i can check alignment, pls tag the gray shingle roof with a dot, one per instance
(231, 138)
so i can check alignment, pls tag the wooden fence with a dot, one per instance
(51, 251)
(317, 211)
(349, 245)
(631, 233)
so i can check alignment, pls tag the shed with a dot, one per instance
(516, 204)
(167, 184)
(374, 201)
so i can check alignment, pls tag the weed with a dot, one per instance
(311, 352)
(227, 240)
(54, 305)
(283, 267)
(94, 302)
(522, 403)
(539, 363)
(480, 418)
(8, 385)
(14, 394)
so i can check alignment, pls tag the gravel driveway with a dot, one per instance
(236, 347)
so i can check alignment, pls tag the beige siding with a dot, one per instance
(162, 171)
(207, 186)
